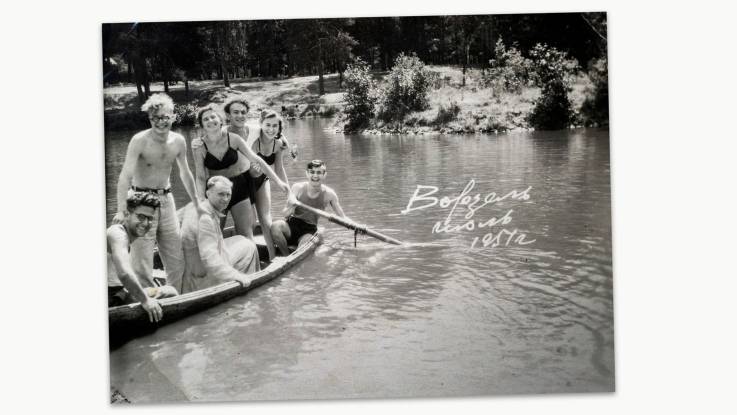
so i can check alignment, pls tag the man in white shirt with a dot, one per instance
(209, 258)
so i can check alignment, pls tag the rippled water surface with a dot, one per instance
(431, 318)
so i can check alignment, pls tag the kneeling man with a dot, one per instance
(301, 224)
(209, 259)
(124, 285)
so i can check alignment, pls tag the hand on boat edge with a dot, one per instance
(153, 309)
(244, 279)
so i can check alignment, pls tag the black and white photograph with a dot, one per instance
(373, 207)
(388, 207)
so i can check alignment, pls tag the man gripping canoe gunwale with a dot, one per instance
(124, 286)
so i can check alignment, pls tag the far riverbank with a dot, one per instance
(453, 109)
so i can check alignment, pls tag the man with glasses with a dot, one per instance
(301, 224)
(147, 167)
(124, 285)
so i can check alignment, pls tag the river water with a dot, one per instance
(529, 311)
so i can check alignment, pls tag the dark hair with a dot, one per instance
(316, 163)
(272, 114)
(141, 199)
(236, 100)
(209, 107)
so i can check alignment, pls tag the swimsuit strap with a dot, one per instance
(228, 132)
(205, 144)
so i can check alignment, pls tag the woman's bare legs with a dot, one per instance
(263, 209)
(242, 213)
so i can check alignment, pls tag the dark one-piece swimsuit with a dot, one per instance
(242, 183)
(270, 160)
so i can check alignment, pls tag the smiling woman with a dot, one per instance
(220, 152)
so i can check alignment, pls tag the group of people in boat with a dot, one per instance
(233, 170)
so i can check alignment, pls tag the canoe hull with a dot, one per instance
(129, 321)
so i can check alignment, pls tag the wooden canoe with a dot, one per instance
(130, 320)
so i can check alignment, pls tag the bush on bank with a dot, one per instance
(552, 72)
(405, 90)
(360, 96)
(595, 109)
(509, 72)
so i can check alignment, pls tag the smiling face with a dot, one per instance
(161, 120)
(316, 175)
(211, 121)
(219, 195)
(270, 127)
(139, 221)
(237, 114)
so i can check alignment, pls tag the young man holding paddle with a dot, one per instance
(302, 223)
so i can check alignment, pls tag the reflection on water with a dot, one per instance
(431, 318)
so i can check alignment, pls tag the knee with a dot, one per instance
(277, 229)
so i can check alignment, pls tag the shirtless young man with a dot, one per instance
(148, 163)
(301, 224)
(124, 285)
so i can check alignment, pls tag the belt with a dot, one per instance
(154, 191)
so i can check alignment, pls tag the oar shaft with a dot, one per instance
(349, 224)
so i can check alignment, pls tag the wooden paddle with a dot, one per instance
(349, 224)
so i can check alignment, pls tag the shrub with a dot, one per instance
(595, 108)
(509, 69)
(434, 79)
(328, 111)
(360, 98)
(186, 114)
(406, 88)
(447, 114)
(552, 72)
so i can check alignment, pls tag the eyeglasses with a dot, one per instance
(144, 218)
(237, 112)
(161, 118)
(317, 172)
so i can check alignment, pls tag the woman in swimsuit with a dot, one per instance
(270, 147)
(222, 153)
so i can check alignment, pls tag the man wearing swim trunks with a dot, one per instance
(147, 167)
(211, 259)
(301, 224)
(124, 286)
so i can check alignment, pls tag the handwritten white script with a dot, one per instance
(423, 199)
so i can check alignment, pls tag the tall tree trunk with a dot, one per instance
(139, 74)
(466, 61)
(340, 76)
(321, 81)
(141, 97)
(220, 40)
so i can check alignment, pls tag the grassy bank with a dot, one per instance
(453, 108)
(298, 96)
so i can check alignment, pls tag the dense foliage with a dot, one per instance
(360, 97)
(509, 69)
(595, 109)
(502, 55)
(551, 72)
(406, 88)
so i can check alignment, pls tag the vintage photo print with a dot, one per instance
(373, 207)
